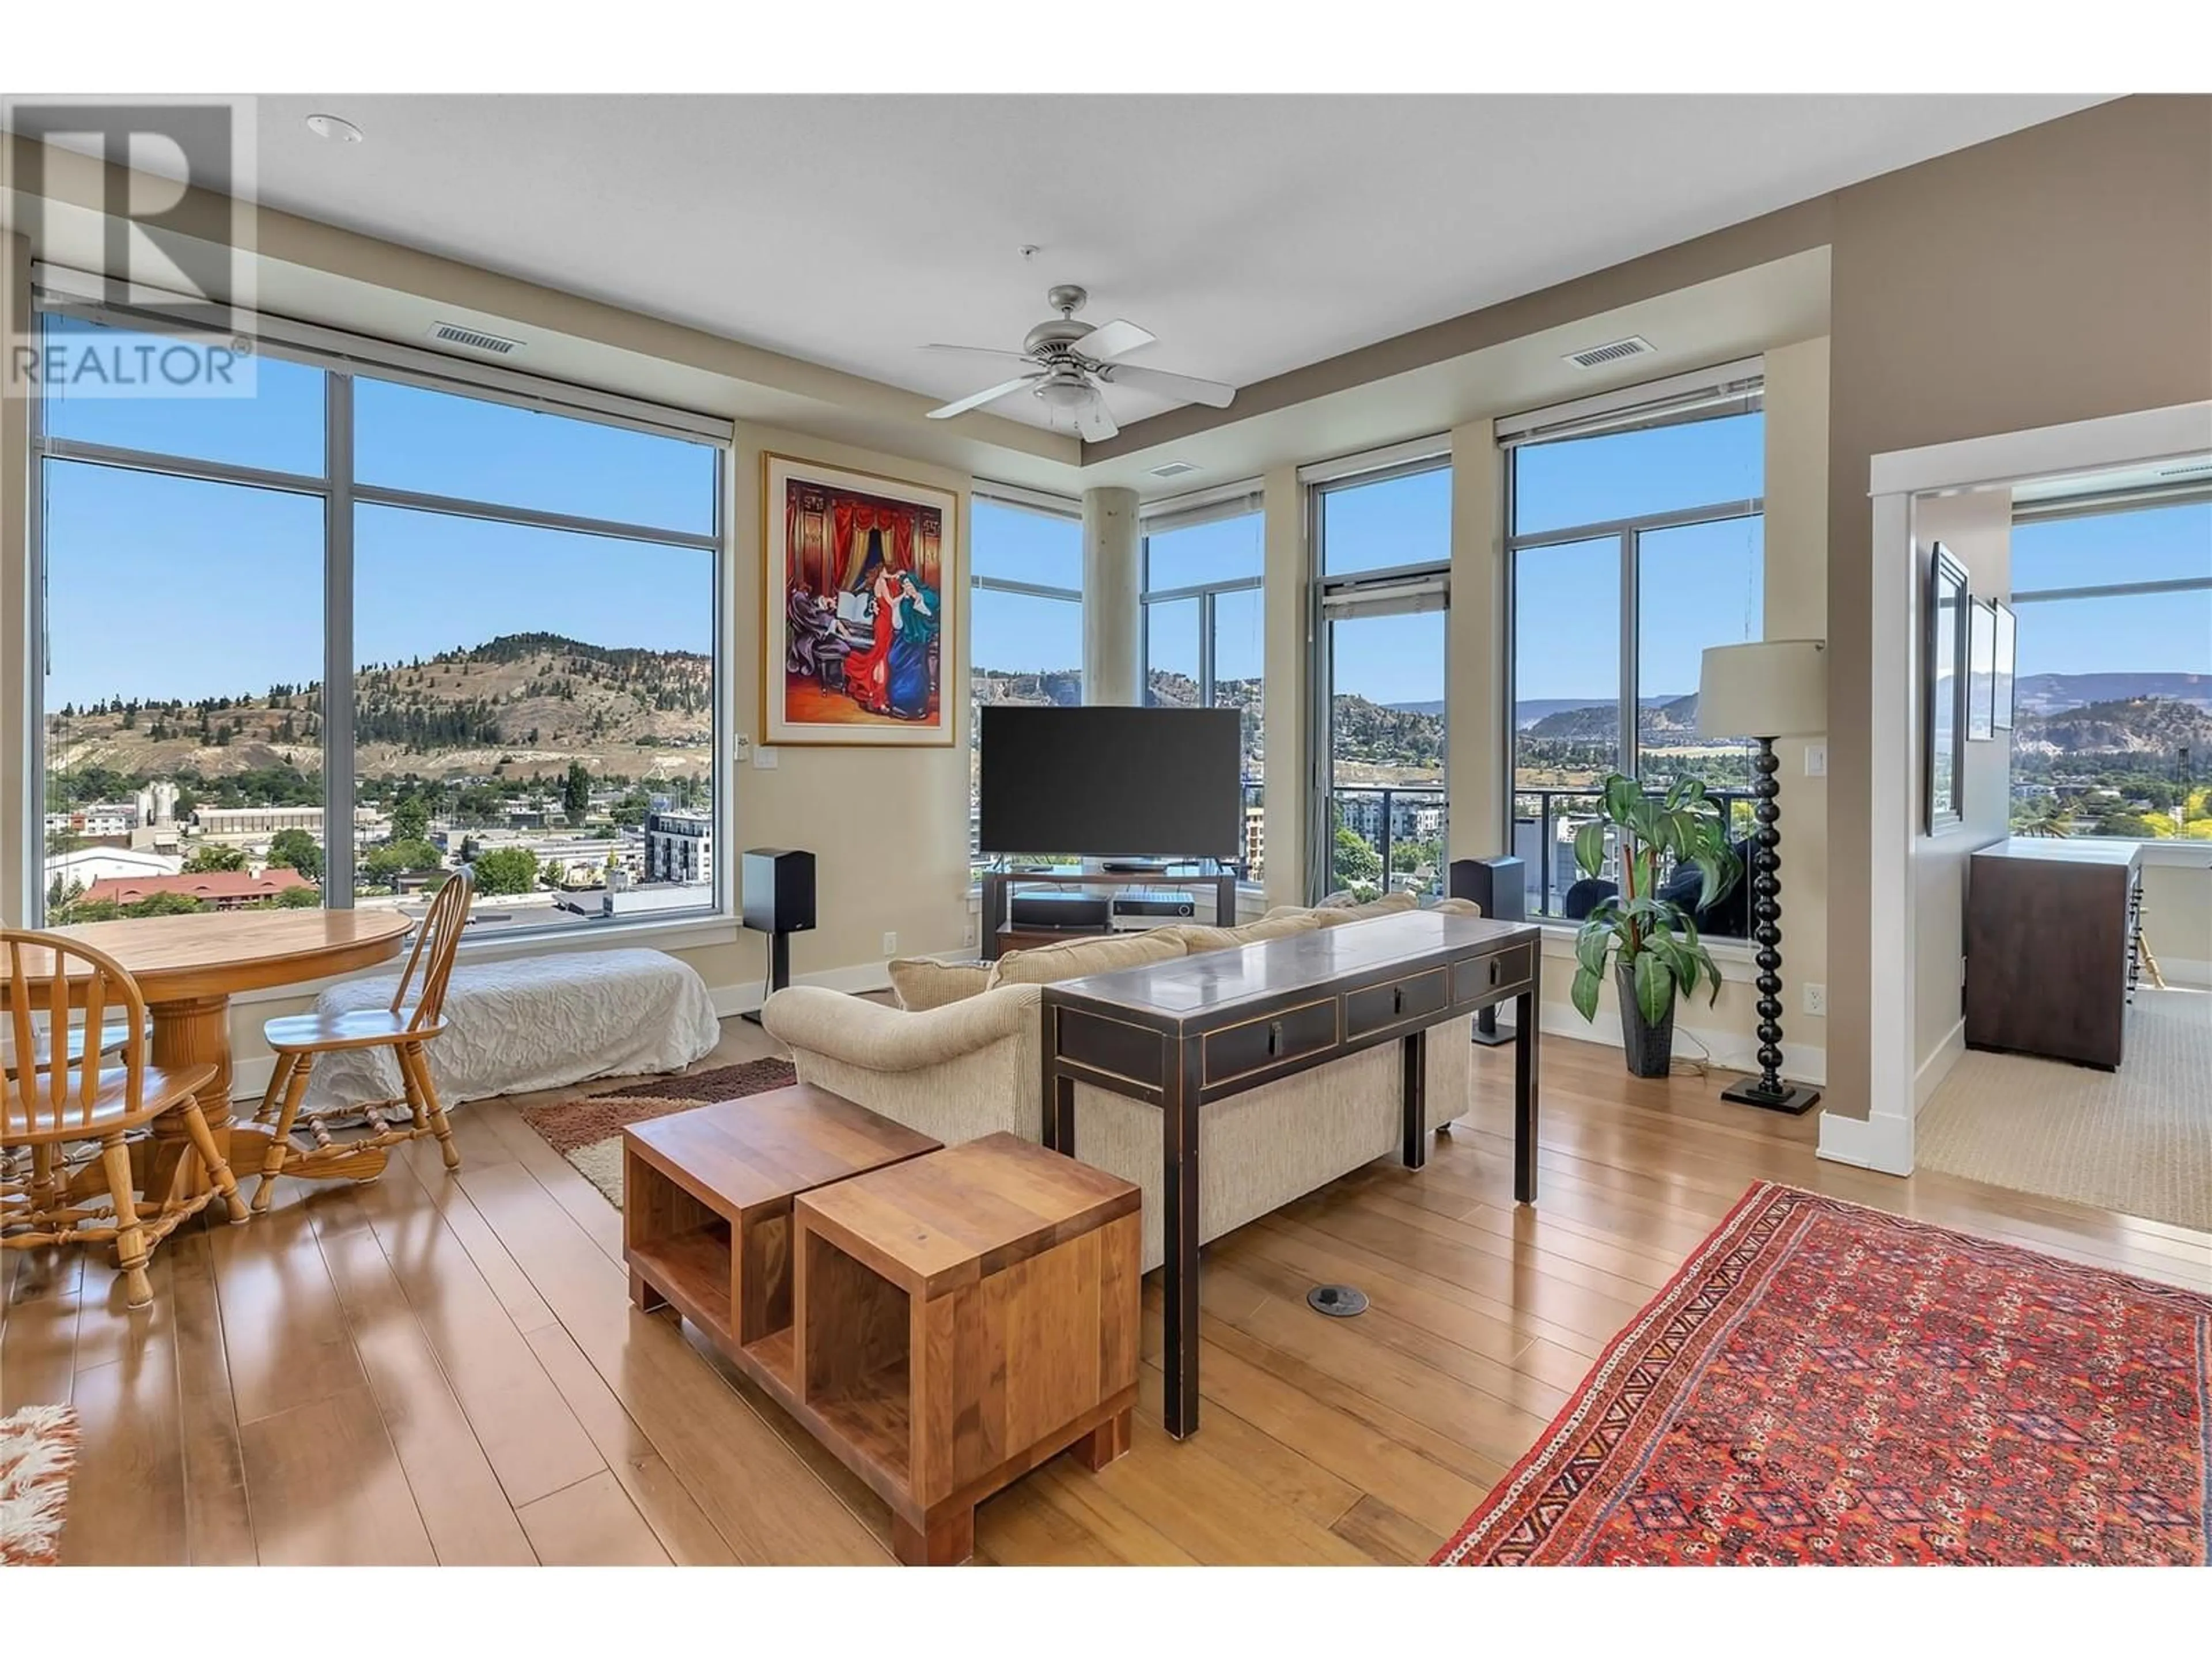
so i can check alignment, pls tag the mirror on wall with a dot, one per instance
(1945, 678)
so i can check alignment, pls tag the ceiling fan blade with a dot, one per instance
(981, 351)
(1182, 386)
(1114, 340)
(1094, 421)
(989, 395)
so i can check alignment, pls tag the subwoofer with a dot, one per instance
(776, 893)
(1500, 886)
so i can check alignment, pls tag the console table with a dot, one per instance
(1181, 1034)
(999, 932)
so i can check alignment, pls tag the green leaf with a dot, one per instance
(1583, 993)
(1590, 847)
(1655, 988)
(1591, 944)
(1713, 970)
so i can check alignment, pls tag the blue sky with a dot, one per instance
(161, 586)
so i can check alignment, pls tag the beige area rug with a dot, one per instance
(588, 1130)
(2138, 1141)
(38, 1450)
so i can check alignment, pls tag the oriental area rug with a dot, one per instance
(588, 1130)
(1824, 1383)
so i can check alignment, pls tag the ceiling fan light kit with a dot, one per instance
(1070, 362)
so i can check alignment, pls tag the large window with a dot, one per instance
(2113, 718)
(319, 646)
(1382, 549)
(1636, 538)
(1026, 622)
(1205, 630)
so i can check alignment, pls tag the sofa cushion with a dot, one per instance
(1196, 937)
(1335, 916)
(1074, 959)
(925, 982)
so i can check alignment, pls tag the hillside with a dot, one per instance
(517, 704)
(2151, 727)
(2048, 694)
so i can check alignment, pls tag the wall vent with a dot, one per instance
(1172, 470)
(1634, 346)
(474, 339)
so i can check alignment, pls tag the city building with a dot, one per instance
(679, 846)
(83, 866)
(221, 890)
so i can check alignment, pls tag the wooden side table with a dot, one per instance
(961, 1318)
(707, 1198)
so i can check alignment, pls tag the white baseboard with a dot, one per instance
(1730, 1051)
(861, 976)
(2180, 971)
(1937, 1066)
(1883, 1142)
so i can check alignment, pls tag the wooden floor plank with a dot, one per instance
(419, 1162)
(327, 1487)
(284, 1335)
(218, 1514)
(591, 1524)
(1385, 1535)
(38, 1353)
(127, 1497)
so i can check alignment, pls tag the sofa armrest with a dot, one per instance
(877, 1038)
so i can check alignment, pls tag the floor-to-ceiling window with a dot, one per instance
(1635, 540)
(2111, 699)
(1382, 554)
(1205, 621)
(322, 644)
(1026, 555)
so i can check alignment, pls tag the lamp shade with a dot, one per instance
(1772, 689)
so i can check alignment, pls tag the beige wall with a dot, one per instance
(1976, 529)
(2178, 920)
(21, 843)
(1288, 656)
(1476, 719)
(2059, 274)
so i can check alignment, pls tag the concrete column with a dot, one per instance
(23, 843)
(1476, 760)
(1288, 769)
(1113, 580)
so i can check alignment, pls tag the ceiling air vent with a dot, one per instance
(474, 339)
(1634, 346)
(1172, 470)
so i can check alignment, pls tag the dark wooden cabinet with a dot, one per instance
(2050, 947)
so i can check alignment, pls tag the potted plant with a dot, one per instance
(1650, 941)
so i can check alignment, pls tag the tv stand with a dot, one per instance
(1000, 935)
(1134, 866)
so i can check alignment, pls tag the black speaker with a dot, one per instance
(1500, 886)
(778, 890)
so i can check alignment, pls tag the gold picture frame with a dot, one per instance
(859, 577)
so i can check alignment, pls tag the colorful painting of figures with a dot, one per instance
(857, 616)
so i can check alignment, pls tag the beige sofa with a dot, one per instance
(967, 1065)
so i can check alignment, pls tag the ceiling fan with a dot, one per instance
(1068, 363)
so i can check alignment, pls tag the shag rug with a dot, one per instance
(588, 1130)
(1826, 1383)
(38, 1450)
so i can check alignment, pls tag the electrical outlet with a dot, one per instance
(764, 759)
(1816, 759)
(1816, 999)
(968, 933)
(890, 944)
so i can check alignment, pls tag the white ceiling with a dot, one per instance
(1252, 234)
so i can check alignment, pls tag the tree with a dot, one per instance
(507, 870)
(164, 904)
(212, 856)
(629, 812)
(298, 898)
(1357, 863)
(295, 849)
(410, 818)
(382, 864)
(576, 792)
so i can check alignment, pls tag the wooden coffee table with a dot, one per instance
(942, 1321)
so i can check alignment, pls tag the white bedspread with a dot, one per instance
(532, 1023)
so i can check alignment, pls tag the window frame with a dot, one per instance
(342, 359)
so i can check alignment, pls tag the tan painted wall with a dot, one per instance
(1287, 657)
(2178, 920)
(17, 833)
(1475, 717)
(2058, 274)
(1976, 529)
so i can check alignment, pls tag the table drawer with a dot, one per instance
(1379, 1007)
(1485, 979)
(1257, 1044)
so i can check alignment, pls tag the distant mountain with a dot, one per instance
(2044, 694)
(1434, 707)
(1660, 717)
(1531, 711)
(2149, 726)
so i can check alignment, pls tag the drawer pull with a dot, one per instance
(1274, 1037)
(1397, 998)
(1494, 965)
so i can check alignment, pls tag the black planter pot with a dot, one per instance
(1649, 1048)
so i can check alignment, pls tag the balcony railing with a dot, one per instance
(1387, 838)
(1543, 825)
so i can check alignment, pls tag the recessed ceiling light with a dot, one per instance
(334, 127)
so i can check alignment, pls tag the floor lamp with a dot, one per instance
(1774, 689)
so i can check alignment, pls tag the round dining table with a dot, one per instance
(189, 967)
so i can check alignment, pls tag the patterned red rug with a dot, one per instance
(586, 1130)
(1826, 1383)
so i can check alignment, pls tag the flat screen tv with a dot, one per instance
(1158, 783)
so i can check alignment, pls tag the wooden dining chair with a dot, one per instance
(404, 1029)
(58, 1091)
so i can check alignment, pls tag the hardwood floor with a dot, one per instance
(445, 1368)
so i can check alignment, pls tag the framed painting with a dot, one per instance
(858, 577)
(1981, 671)
(2008, 647)
(1944, 677)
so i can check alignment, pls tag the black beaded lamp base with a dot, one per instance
(1768, 1090)
(1791, 1097)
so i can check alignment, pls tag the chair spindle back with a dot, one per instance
(435, 942)
(45, 1080)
